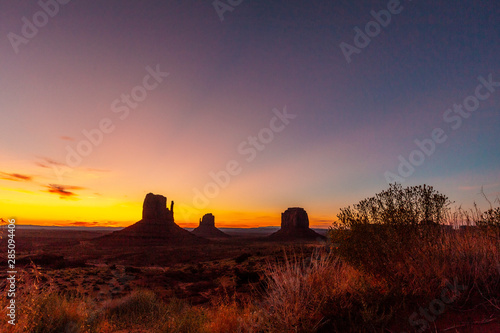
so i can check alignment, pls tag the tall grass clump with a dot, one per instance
(40, 309)
(479, 248)
(230, 315)
(296, 293)
(308, 295)
(144, 310)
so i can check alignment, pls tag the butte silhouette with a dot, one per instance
(157, 227)
(207, 228)
(295, 226)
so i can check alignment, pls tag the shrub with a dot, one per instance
(490, 219)
(379, 232)
(398, 206)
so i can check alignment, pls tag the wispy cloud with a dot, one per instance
(46, 162)
(16, 177)
(64, 191)
(92, 224)
(67, 138)
(84, 224)
(478, 187)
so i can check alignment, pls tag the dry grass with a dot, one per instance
(299, 290)
(41, 309)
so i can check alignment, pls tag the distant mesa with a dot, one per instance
(157, 226)
(207, 228)
(295, 226)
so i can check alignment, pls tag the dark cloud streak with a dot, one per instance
(47, 162)
(16, 177)
(63, 190)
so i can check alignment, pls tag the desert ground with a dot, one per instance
(69, 262)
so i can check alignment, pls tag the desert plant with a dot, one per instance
(375, 234)
(143, 309)
(490, 219)
(398, 206)
(54, 312)
(141, 305)
(297, 292)
(43, 309)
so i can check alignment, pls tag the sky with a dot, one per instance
(243, 108)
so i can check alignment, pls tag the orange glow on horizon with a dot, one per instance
(222, 220)
(32, 202)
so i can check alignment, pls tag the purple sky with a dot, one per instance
(354, 120)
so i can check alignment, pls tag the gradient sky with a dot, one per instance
(353, 120)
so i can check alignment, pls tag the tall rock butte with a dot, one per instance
(154, 209)
(207, 228)
(295, 226)
(157, 226)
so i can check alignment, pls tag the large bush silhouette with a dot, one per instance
(380, 233)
